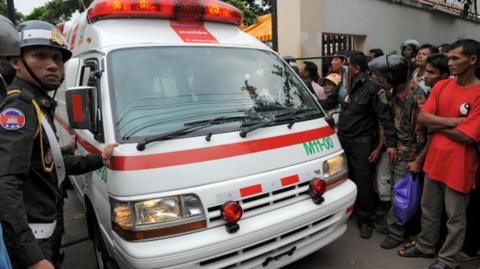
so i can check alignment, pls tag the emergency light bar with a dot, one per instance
(190, 10)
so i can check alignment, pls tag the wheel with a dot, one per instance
(104, 261)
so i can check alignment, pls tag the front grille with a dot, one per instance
(258, 253)
(264, 202)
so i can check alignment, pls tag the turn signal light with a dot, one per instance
(317, 189)
(318, 186)
(232, 212)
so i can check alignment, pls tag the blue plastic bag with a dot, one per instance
(406, 198)
(4, 260)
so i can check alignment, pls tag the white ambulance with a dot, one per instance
(225, 159)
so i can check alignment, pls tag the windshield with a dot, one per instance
(160, 89)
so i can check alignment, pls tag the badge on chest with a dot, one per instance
(464, 109)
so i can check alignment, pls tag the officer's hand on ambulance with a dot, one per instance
(107, 153)
(392, 154)
(42, 264)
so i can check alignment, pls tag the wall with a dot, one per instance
(289, 28)
(387, 24)
(311, 27)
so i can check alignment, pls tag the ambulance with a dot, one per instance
(225, 159)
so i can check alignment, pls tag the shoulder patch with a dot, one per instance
(12, 119)
(382, 95)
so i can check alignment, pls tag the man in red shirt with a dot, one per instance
(452, 113)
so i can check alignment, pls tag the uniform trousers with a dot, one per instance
(360, 171)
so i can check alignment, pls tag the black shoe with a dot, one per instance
(440, 265)
(390, 242)
(365, 230)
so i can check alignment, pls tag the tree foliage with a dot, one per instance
(251, 9)
(259, 7)
(4, 11)
(249, 17)
(56, 11)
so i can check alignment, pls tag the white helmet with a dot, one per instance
(411, 43)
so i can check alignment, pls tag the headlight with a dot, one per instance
(158, 210)
(135, 220)
(335, 166)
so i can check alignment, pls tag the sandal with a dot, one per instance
(411, 251)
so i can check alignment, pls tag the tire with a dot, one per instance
(104, 261)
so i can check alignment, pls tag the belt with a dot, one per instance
(42, 230)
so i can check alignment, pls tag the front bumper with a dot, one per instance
(280, 237)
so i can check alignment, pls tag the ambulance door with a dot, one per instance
(92, 141)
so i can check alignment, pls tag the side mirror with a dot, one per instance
(80, 103)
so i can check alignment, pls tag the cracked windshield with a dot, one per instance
(177, 87)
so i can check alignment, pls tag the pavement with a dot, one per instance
(349, 251)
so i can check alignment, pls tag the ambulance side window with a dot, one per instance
(90, 76)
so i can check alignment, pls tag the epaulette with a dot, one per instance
(24, 95)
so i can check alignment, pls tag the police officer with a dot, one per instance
(409, 49)
(31, 162)
(9, 46)
(362, 107)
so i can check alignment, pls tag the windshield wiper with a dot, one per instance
(303, 114)
(292, 116)
(188, 128)
(217, 120)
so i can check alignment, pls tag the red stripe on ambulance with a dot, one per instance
(290, 180)
(182, 157)
(251, 190)
(274, 185)
(216, 152)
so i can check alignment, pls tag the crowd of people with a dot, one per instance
(33, 165)
(420, 113)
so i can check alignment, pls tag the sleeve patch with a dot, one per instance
(12, 119)
(382, 95)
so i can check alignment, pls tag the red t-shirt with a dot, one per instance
(448, 161)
